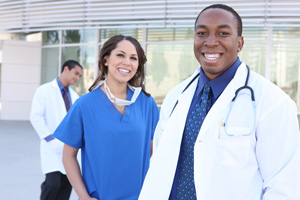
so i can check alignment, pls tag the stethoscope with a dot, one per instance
(231, 104)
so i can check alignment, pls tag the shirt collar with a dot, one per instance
(219, 83)
(60, 85)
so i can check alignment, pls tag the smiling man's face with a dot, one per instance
(216, 41)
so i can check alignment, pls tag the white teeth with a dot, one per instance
(124, 70)
(211, 56)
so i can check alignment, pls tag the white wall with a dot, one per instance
(20, 76)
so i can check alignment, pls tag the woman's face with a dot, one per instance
(122, 63)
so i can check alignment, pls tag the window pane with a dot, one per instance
(286, 34)
(78, 36)
(50, 37)
(285, 69)
(105, 34)
(255, 34)
(50, 65)
(254, 55)
(0, 80)
(85, 56)
(171, 34)
(168, 65)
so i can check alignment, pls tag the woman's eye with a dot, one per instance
(120, 55)
(133, 58)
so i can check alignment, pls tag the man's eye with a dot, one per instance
(224, 33)
(201, 33)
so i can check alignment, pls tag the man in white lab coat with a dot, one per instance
(50, 104)
(249, 151)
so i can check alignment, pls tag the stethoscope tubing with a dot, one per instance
(188, 85)
(232, 101)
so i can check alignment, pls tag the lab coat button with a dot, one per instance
(199, 140)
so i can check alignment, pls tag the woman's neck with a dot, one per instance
(119, 90)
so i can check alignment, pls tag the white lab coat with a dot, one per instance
(47, 111)
(262, 166)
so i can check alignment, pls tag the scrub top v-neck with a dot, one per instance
(123, 118)
(115, 148)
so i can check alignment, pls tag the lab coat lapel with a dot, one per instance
(164, 162)
(184, 102)
(225, 98)
(59, 98)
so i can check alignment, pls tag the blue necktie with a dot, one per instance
(186, 186)
(66, 98)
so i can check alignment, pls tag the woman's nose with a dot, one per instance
(126, 61)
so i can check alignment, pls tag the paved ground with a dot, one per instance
(20, 170)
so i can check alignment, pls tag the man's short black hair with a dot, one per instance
(229, 9)
(70, 64)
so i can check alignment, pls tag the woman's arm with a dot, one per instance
(73, 172)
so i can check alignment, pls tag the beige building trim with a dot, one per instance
(20, 76)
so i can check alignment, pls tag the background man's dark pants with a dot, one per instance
(56, 187)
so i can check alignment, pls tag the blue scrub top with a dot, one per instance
(115, 148)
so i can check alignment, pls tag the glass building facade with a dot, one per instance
(77, 29)
(273, 53)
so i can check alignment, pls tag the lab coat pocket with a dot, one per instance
(233, 150)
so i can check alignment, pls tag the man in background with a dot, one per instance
(50, 104)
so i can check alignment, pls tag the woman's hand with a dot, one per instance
(73, 172)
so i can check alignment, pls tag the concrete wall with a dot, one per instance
(20, 76)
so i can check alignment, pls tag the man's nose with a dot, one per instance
(211, 40)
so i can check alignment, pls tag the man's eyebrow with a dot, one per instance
(200, 26)
(220, 26)
(225, 26)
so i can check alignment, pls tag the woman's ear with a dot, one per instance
(106, 62)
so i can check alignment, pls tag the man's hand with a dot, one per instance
(56, 145)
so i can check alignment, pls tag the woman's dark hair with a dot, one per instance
(138, 79)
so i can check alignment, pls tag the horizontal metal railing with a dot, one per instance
(33, 15)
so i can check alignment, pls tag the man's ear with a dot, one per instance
(240, 43)
(66, 69)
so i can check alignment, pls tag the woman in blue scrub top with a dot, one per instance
(113, 125)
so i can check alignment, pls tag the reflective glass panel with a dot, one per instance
(50, 65)
(254, 55)
(285, 69)
(255, 34)
(85, 56)
(0, 82)
(168, 65)
(50, 37)
(105, 34)
(170, 34)
(286, 34)
(79, 36)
